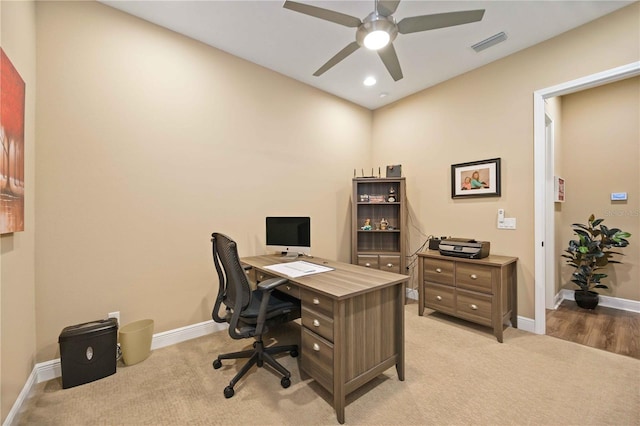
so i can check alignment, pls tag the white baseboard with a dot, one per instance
(52, 369)
(606, 301)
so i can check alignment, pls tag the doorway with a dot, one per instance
(543, 180)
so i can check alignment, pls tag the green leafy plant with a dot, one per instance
(592, 252)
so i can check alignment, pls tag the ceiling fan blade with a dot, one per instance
(390, 60)
(352, 47)
(326, 14)
(440, 20)
(387, 7)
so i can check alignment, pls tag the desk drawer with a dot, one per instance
(317, 302)
(317, 358)
(318, 323)
(474, 307)
(263, 276)
(438, 271)
(474, 277)
(290, 289)
(439, 297)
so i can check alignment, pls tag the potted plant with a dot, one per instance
(590, 254)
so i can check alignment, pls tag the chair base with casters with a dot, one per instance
(258, 355)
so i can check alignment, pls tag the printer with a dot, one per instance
(464, 247)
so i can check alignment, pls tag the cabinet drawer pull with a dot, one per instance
(316, 301)
(438, 270)
(367, 264)
(473, 276)
(474, 307)
(316, 323)
(438, 298)
(289, 287)
(316, 347)
(389, 265)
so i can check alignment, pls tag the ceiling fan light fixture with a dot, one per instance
(369, 81)
(376, 40)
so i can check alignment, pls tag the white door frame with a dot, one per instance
(543, 196)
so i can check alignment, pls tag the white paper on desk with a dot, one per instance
(297, 269)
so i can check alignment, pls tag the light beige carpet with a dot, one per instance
(456, 374)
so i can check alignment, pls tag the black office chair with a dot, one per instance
(249, 313)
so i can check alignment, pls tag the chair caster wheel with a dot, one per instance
(285, 382)
(228, 392)
(217, 364)
(293, 353)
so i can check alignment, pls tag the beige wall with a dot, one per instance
(601, 155)
(17, 281)
(488, 113)
(150, 141)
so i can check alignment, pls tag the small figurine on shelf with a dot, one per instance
(392, 195)
(384, 224)
(367, 225)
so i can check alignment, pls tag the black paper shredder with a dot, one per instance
(88, 351)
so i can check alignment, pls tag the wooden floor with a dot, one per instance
(609, 329)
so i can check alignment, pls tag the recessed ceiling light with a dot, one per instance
(369, 81)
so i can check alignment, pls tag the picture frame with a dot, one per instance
(476, 179)
(558, 189)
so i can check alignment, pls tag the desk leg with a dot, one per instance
(400, 330)
(339, 360)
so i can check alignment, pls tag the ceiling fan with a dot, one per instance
(378, 30)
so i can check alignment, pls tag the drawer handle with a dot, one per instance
(473, 276)
(474, 307)
(316, 347)
(316, 323)
(367, 264)
(438, 270)
(289, 287)
(438, 298)
(316, 301)
(389, 265)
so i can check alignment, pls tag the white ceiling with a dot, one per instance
(296, 45)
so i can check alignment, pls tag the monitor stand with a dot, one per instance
(289, 255)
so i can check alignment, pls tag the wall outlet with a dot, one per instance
(115, 315)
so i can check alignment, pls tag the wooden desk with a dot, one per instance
(352, 323)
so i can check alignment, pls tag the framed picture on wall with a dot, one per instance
(476, 179)
(558, 189)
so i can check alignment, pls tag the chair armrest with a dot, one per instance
(271, 283)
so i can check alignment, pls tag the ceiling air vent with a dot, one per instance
(491, 41)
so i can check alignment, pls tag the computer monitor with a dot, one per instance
(290, 236)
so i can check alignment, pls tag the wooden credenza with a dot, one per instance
(483, 291)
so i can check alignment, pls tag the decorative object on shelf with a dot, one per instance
(377, 199)
(367, 225)
(364, 198)
(384, 224)
(394, 171)
(476, 179)
(558, 189)
(590, 254)
(392, 195)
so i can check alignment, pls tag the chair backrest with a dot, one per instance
(234, 290)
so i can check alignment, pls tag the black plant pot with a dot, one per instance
(586, 299)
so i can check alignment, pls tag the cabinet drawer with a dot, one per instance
(317, 302)
(262, 276)
(390, 263)
(368, 260)
(474, 277)
(439, 297)
(318, 323)
(438, 271)
(474, 306)
(290, 289)
(317, 358)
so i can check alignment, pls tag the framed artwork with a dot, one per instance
(476, 179)
(558, 189)
(12, 91)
